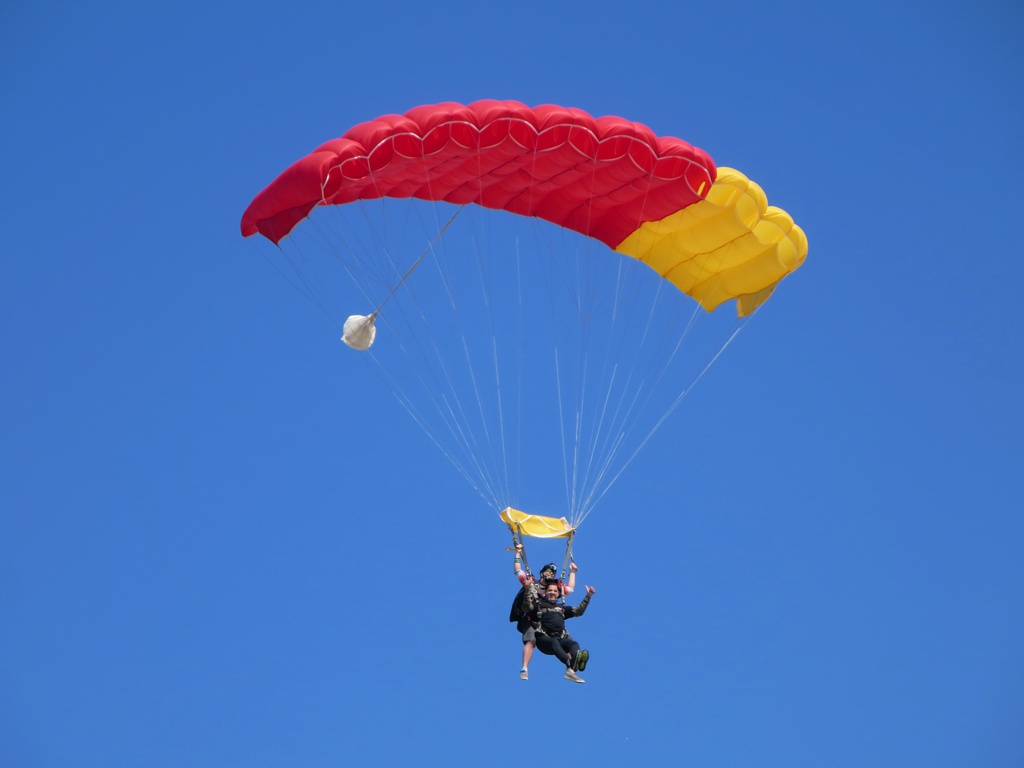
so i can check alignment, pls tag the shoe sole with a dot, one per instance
(581, 661)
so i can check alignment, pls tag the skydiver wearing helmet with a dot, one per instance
(526, 624)
(550, 636)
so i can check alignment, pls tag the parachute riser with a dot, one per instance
(568, 556)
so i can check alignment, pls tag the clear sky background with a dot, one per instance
(212, 555)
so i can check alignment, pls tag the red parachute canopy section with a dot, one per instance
(706, 230)
(602, 177)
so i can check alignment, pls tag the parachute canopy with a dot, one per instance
(526, 346)
(708, 231)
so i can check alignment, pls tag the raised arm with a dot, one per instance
(517, 565)
(570, 585)
(573, 611)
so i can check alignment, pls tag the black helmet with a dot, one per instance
(549, 567)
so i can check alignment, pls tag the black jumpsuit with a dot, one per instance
(552, 638)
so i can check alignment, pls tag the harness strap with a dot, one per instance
(540, 626)
(568, 554)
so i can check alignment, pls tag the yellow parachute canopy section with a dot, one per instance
(731, 245)
(536, 526)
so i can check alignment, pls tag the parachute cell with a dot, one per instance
(653, 198)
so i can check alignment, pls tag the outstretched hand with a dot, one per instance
(590, 590)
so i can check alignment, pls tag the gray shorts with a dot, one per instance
(530, 636)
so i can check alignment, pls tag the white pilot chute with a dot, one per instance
(359, 331)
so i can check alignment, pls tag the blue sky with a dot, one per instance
(220, 547)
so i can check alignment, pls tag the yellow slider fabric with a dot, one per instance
(536, 525)
(731, 245)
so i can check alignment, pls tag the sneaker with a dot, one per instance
(570, 675)
(580, 662)
(524, 674)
